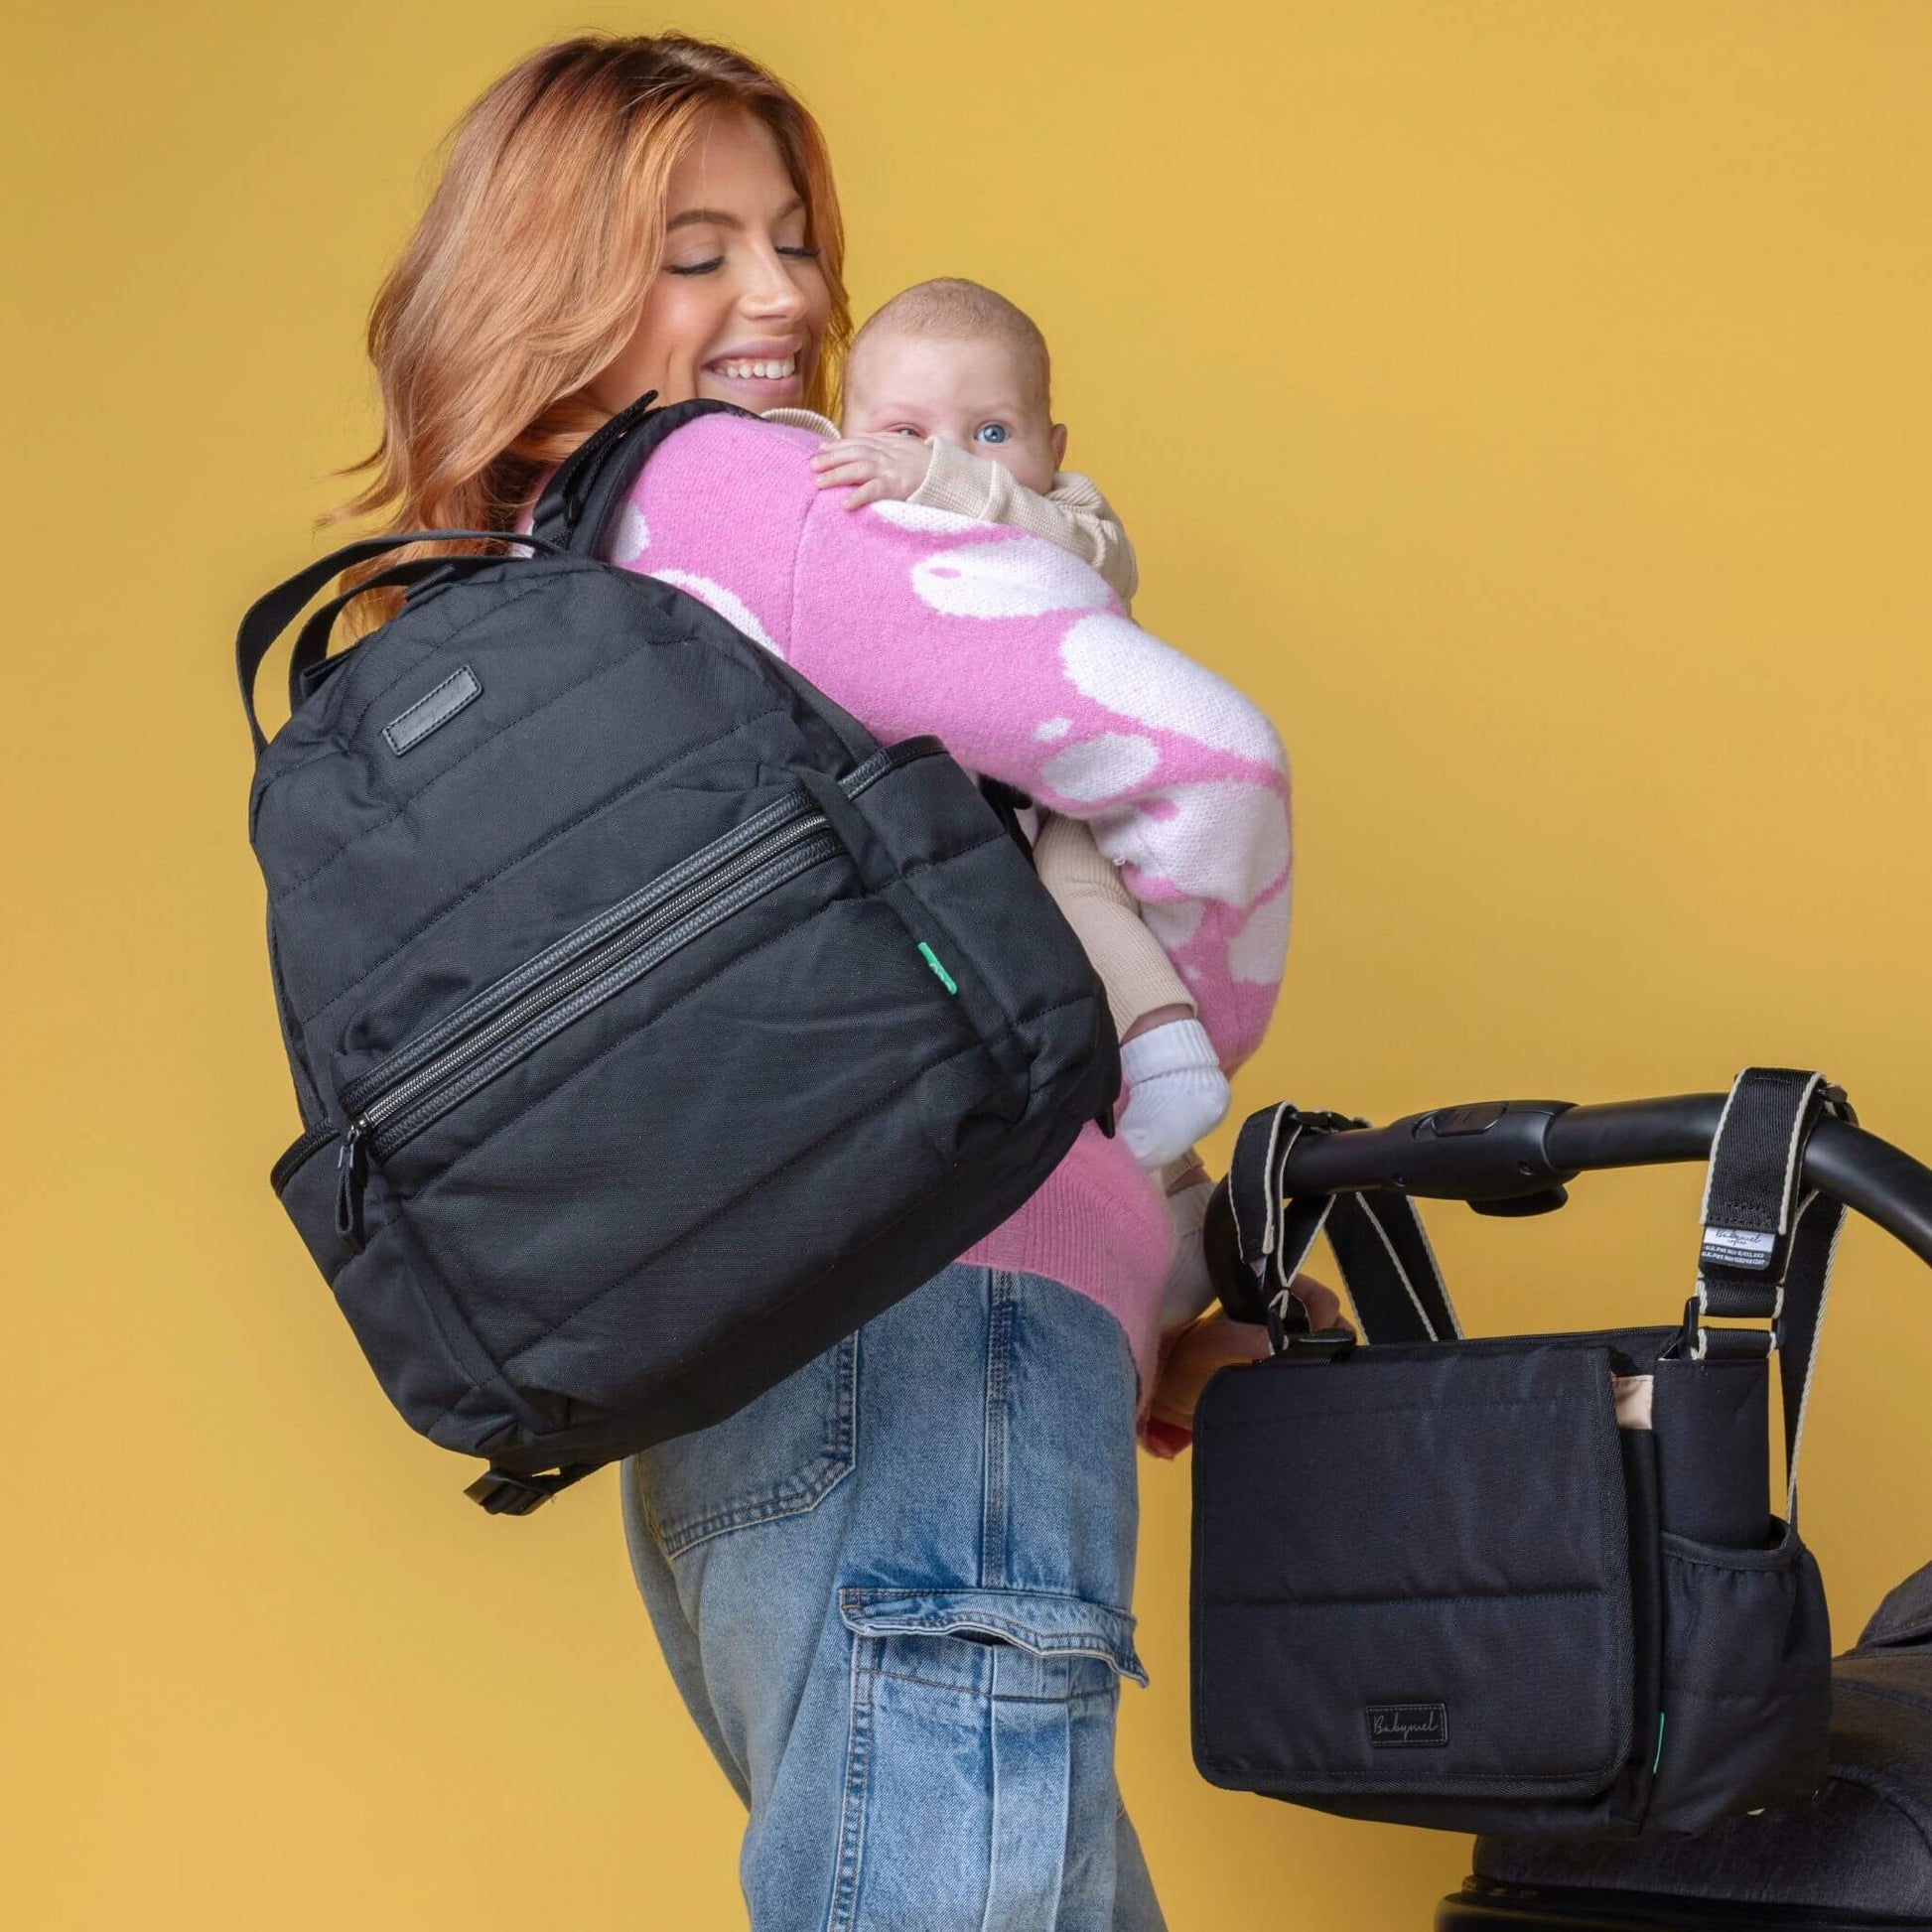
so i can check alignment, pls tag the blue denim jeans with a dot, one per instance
(892, 1593)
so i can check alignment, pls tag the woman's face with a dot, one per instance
(740, 305)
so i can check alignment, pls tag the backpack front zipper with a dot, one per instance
(442, 1067)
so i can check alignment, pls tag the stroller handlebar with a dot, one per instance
(1514, 1157)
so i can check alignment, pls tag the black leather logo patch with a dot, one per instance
(409, 727)
(1407, 1727)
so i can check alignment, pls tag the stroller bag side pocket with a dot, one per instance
(1747, 1697)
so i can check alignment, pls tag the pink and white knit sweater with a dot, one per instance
(1018, 655)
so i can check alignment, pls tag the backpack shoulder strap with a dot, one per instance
(581, 501)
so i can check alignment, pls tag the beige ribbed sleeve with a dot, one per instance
(1137, 973)
(802, 419)
(1073, 514)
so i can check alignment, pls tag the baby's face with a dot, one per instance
(974, 393)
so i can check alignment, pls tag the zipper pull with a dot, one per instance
(350, 1170)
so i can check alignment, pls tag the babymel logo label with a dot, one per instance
(1397, 1725)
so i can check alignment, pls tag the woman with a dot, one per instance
(892, 1589)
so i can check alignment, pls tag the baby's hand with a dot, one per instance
(879, 465)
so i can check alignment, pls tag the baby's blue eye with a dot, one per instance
(992, 433)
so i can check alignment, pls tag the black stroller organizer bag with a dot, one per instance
(1527, 1584)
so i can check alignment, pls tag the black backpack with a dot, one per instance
(652, 1026)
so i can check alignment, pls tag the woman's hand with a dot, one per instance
(1190, 1356)
(877, 465)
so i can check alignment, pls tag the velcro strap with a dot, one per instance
(1750, 1188)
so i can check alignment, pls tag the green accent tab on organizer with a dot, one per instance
(945, 978)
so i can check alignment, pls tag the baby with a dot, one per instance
(947, 404)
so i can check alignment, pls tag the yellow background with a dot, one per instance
(1527, 402)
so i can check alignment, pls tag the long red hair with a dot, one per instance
(520, 283)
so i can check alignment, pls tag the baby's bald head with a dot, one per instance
(955, 360)
(952, 309)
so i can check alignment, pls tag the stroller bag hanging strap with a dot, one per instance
(1748, 1211)
(1767, 1246)
(1386, 1262)
(1765, 1251)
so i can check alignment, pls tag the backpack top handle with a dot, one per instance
(274, 610)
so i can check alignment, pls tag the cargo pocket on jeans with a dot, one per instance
(1747, 1689)
(778, 1455)
(979, 1782)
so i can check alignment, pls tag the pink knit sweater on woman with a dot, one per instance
(1018, 655)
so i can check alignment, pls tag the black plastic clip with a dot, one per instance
(1320, 1345)
(1289, 1332)
(1690, 1337)
(1287, 1319)
(502, 1494)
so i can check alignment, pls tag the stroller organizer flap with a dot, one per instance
(1414, 1582)
(1527, 1584)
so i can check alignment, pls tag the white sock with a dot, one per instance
(1176, 1091)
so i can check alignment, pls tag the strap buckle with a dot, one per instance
(1287, 1319)
(1691, 1339)
(1327, 1122)
(502, 1494)
(1289, 1332)
(1732, 1344)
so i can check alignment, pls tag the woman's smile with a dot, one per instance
(768, 372)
